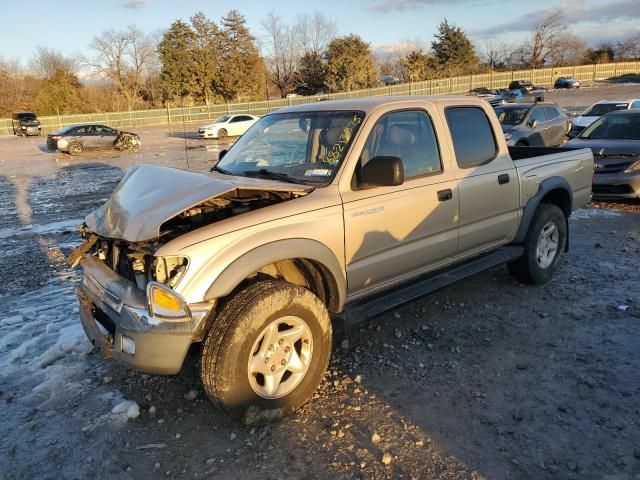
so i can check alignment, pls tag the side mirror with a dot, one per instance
(382, 171)
(222, 154)
(533, 123)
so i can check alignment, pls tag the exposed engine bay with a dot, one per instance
(137, 262)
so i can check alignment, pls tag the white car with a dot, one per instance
(228, 126)
(599, 109)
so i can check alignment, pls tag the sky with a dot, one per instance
(69, 25)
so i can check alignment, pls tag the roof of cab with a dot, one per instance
(368, 104)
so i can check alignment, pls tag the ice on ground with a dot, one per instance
(128, 408)
(40, 229)
(585, 213)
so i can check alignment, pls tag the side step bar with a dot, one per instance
(368, 307)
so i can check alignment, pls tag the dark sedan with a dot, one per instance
(615, 142)
(77, 138)
(567, 82)
(533, 124)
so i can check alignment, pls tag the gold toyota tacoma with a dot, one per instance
(335, 210)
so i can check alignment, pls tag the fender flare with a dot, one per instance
(546, 186)
(302, 248)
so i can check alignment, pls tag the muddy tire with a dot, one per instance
(126, 144)
(222, 134)
(266, 351)
(543, 246)
(75, 149)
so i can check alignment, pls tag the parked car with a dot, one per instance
(25, 123)
(533, 124)
(518, 84)
(615, 141)
(567, 82)
(598, 109)
(483, 92)
(338, 208)
(517, 96)
(228, 126)
(74, 139)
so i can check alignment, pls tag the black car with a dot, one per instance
(74, 139)
(25, 123)
(518, 84)
(615, 141)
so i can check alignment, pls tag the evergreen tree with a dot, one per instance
(243, 74)
(453, 51)
(205, 55)
(417, 66)
(312, 74)
(350, 64)
(60, 94)
(178, 69)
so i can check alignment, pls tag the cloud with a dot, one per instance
(136, 3)
(574, 13)
(386, 6)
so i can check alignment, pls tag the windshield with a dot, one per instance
(222, 119)
(305, 147)
(614, 127)
(601, 109)
(511, 115)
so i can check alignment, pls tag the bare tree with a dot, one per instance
(284, 54)
(46, 62)
(545, 38)
(315, 32)
(569, 49)
(495, 53)
(123, 58)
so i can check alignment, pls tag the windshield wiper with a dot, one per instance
(216, 168)
(264, 173)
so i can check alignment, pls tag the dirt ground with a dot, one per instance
(485, 379)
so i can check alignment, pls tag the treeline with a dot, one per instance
(203, 61)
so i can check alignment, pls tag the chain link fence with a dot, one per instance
(175, 117)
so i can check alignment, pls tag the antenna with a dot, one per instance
(184, 136)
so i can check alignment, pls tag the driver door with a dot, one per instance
(393, 233)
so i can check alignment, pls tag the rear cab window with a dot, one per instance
(473, 138)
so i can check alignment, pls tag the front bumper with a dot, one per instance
(616, 185)
(113, 313)
(206, 134)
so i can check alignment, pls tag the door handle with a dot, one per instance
(504, 178)
(444, 195)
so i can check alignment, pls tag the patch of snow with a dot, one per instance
(40, 229)
(127, 407)
(586, 213)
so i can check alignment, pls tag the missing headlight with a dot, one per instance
(168, 270)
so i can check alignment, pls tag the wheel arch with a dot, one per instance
(555, 191)
(303, 262)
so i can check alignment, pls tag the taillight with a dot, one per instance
(55, 138)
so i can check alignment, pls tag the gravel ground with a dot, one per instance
(486, 379)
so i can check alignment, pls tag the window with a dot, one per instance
(104, 130)
(537, 114)
(408, 135)
(80, 131)
(473, 139)
(551, 113)
(636, 104)
(240, 118)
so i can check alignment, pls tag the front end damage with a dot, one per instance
(130, 305)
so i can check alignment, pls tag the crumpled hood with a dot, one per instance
(149, 195)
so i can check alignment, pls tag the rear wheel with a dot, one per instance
(267, 351)
(75, 149)
(222, 133)
(544, 246)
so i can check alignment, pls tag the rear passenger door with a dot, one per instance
(486, 179)
(556, 126)
(393, 233)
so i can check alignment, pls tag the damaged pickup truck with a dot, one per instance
(332, 211)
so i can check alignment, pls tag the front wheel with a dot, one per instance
(543, 246)
(222, 134)
(267, 351)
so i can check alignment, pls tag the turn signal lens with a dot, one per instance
(166, 304)
(165, 300)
